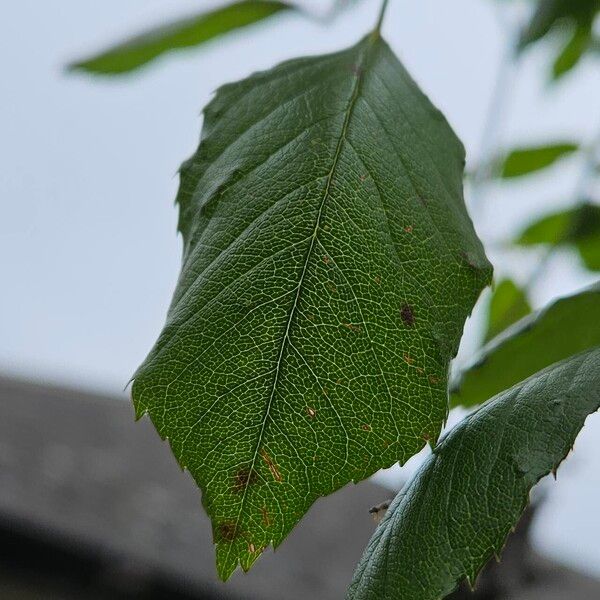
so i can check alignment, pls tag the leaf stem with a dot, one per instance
(377, 29)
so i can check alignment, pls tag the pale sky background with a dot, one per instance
(89, 250)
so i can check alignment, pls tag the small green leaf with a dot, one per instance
(546, 14)
(572, 52)
(565, 327)
(329, 266)
(578, 227)
(552, 13)
(459, 508)
(552, 229)
(184, 33)
(508, 304)
(523, 161)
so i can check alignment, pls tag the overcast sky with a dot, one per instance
(87, 180)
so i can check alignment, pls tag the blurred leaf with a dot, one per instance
(523, 161)
(589, 251)
(565, 327)
(571, 54)
(508, 304)
(184, 33)
(549, 13)
(544, 17)
(551, 229)
(578, 227)
(459, 508)
(329, 267)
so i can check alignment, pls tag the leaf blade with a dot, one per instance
(548, 14)
(565, 327)
(460, 507)
(577, 227)
(507, 305)
(527, 160)
(133, 53)
(292, 361)
(573, 50)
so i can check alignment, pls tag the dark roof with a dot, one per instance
(76, 465)
(81, 482)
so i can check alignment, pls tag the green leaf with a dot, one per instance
(546, 14)
(508, 304)
(578, 227)
(552, 229)
(329, 265)
(565, 327)
(572, 52)
(194, 30)
(523, 161)
(552, 13)
(460, 507)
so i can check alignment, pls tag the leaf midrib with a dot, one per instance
(285, 339)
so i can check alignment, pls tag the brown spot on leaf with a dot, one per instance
(408, 359)
(352, 327)
(379, 510)
(226, 531)
(331, 288)
(363, 177)
(408, 229)
(468, 258)
(433, 379)
(311, 412)
(251, 548)
(366, 427)
(407, 315)
(243, 478)
(266, 517)
(377, 279)
(272, 466)
(326, 259)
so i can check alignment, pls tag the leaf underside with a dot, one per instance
(565, 327)
(329, 265)
(460, 507)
